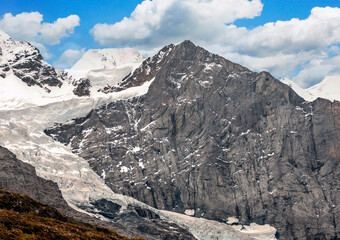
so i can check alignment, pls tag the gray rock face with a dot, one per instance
(82, 87)
(212, 136)
(21, 177)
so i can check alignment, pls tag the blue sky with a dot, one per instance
(236, 29)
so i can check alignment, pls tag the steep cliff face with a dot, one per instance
(21, 177)
(212, 137)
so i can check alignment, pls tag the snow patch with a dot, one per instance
(108, 58)
(190, 212)
(3, 36)
(232, 220)
(328, 88)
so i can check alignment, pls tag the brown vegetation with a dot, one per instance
(23, 218)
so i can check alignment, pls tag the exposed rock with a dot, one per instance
(213, 137)
(82, 87)
(26, 62)
(144, 73)
(21, 177)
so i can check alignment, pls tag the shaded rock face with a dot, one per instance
(21, 177)
(82, 87)
(212, 136)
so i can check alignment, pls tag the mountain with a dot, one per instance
(26, 63)
(95, 59)
(328, 88)
(27, 80)
(212, 139)
(106, 66)
(25, 114)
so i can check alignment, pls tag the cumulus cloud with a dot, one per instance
(316, 70)
(281, 47)
(52, 33)
(69, 58)
(29, 27)
(160, 21)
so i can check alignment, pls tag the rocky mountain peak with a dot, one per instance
(185, 58)
(108, 58)
(215, 139)
(26, 62)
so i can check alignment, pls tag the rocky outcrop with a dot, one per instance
(82, 87)
(26, 62)
(212, 137)
(146, 72)
(21, 177)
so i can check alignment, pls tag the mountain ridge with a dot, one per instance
(194, 133)
(210, 132)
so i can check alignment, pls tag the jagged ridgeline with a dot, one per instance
(213, 139)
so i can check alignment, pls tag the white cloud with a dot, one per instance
(283, 46)
(280, 47)
(159, 21)
(52, 33)
(24, 26)
(29, 27)
(69, 58)
(316, 70)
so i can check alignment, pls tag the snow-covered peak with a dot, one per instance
(108, 58)
(3, 36)
(299, 90)
(106, 67)
(25, 62)
(328, 88)
(12, 51)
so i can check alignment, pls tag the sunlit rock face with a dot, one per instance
(214, 138)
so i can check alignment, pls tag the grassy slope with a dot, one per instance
(23, 218)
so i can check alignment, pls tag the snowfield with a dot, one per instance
(328, 88)
(106, 65)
